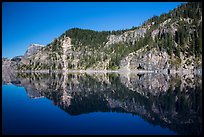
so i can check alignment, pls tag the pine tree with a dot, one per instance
(200, 40)
(169, 44)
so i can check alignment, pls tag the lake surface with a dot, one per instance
(111, 103)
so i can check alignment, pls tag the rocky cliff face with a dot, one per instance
(32, 49)
(171, 42)
(146, 60)
(8, 65)
(8, 70)
(155, 60)
(129, 37)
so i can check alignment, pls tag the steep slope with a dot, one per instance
(32, 49)
(171, 41)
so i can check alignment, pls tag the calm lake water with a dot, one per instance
(40, 103)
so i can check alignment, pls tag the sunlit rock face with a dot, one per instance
(66, 42)
(32, 49)
(8, 73)
(172, 101)
(127, 37)
(170, 42)
(146, 59)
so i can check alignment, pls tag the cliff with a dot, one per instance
(170, 42)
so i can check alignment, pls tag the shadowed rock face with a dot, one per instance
(170, 101)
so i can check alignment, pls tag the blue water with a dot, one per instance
(22, 115)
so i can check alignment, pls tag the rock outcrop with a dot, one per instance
(146, 60)
(32, 49)
(169, 43)
(129, 37)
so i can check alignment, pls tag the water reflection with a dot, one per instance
(170, 101)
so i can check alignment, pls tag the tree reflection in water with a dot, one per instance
(170, 101)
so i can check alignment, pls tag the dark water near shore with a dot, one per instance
(40, 103)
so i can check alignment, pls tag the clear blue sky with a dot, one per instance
(24, 23)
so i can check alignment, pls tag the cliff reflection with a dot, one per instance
(170, 101)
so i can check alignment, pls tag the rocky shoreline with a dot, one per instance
(185, 71)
